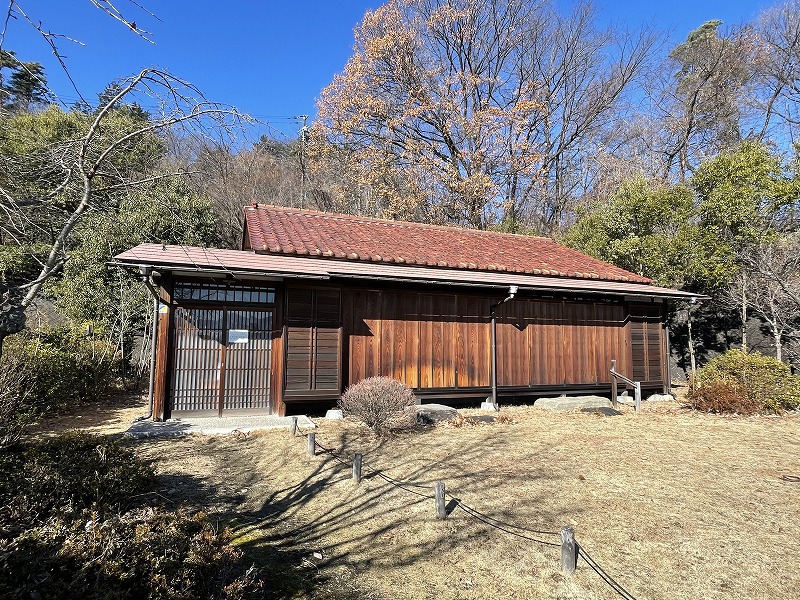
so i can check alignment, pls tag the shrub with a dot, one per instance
(745, 383)
(62, 367)
(144, 553)
(381, 403)
(73, 525)
(16, 409)
(722, 397)
(68, 474)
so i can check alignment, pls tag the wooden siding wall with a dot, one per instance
(553, 342)
(424, 340)
(433, 341)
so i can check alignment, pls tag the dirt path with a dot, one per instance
(106, 417)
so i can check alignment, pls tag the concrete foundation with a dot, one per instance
(214, 425)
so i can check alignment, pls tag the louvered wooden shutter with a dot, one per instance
(646, 343)
(312, 345)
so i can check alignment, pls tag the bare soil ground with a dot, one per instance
(672, 503)
(106, 417)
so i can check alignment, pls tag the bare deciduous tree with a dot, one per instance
(583, 74)
(434, 105)
(15, 11)
(777, 31)
(477, 113)
(79, 175)
(769, 284)
(698, 101)
(235, 179)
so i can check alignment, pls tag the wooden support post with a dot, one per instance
(357, 459)
(569, 550)
(293, 427)
(613, 384)
(312, 444)
(637, 395)
(438, 491)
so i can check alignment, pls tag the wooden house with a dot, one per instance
(315, 302)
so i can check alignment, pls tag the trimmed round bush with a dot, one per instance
(382, 403)
(745, 383)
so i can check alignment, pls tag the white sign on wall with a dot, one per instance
(238, 336)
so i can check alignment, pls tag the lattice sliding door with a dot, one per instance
(221, 360)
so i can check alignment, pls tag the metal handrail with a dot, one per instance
(637, 387)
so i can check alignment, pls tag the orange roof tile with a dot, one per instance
(280, 230)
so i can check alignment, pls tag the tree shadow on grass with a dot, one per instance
(331, 529)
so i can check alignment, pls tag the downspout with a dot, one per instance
(512, 291)
(147, 279)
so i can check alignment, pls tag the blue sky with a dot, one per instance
(268, 58)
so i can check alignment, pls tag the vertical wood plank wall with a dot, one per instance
(278, 359)
(552, 342)
(430, 340)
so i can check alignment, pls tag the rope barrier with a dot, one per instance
(481, 516)
(503, 526)
(603, 575)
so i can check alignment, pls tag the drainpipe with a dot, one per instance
(147, 279)
(512, 291)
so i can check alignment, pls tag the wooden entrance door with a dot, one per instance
(221, 361)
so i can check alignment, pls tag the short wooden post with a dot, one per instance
(569, 550)
(637, 395)
(438, 492)
(312, 444)
(357, 459)
(293, 427)
(614, 384)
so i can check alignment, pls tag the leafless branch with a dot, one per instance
(86, 164)
(111, 10)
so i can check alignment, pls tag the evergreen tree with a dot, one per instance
(25, 84)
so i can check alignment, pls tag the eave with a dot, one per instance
(243, 264)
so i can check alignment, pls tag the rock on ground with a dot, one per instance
(572, 402)
(434, 413)
(660, 398)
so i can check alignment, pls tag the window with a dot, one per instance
(201, 291)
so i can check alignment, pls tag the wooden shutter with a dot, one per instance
(313, 349)
(646, 343)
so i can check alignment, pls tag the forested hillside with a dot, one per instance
(675, 161)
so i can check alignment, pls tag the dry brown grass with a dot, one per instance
(673, 503)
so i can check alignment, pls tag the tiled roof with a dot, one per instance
(244, 265)
(279, 230)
